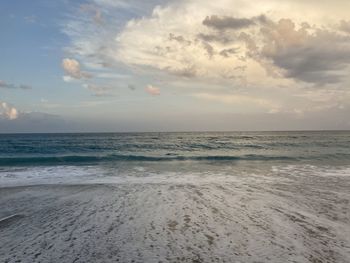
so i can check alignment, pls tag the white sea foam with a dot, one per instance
(293, 213)
(311, 170)
(47, 175)
(144, 174)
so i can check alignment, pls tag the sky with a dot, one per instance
(174, 65)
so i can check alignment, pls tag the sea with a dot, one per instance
(27, 159)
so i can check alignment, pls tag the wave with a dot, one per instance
(86, 159)
(82, 159)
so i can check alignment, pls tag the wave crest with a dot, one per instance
(76, 159)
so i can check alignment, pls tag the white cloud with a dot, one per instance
(186, 43)
(214, 43)
(7, 111)
(152, 90)
(72, 68)
(67, 78)
(254, 51)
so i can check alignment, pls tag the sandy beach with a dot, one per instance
(229, 219)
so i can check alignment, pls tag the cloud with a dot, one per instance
(131, 87)
(111, 75)
(247, 50)
(95, 11)
(5, 85)
(311, 55)
(282, 48)
(216, 37)
(202, 42)
(227, 52)
(67, 78)
(345, 26)
(98, 90)
(7, 111)
(227, 22)
(209, 49)
(72, 68)
(152, 90)
(187, 72)
(135, 7)
(179, 39)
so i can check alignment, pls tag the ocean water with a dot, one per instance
(175, 197)
(60, 158)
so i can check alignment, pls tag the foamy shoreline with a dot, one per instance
(246, 219)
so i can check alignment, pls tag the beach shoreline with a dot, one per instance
(241, 220)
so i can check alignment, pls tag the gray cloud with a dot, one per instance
(187, 72)
(312, 55)
(345, 26)
(131, 87)
(179, 39)
(209, 49)
(5, 85)
(221, 38)
(227, 52)
(318, 65)
(99, 90)
(318, 58)
(227, 22)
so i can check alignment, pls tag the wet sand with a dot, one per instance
(250, 219)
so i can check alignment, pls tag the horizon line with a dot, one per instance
(135, 132)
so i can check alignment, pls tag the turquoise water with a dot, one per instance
(138, 154)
